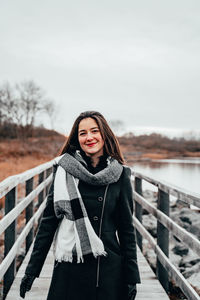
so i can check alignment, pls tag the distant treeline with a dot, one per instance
(21, 105)
(158, 141)
(13, 131)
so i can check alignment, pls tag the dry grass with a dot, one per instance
(14, 165)
(17, 156)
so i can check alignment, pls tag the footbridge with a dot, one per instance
(24, 197)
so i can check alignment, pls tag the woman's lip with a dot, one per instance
(90, 145)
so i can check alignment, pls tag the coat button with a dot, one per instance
(95, 218)
(100, 198)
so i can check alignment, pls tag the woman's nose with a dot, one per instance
(89, 137)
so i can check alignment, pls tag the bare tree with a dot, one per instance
(22, 104)
(30, 97)
(6, 102)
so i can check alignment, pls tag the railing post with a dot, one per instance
(163, 238)
(10, 237)
(29, 213)
(48, 172)
(138, 209)
(41, 194)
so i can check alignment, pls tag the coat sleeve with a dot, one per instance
(45, 235)
(126, 230)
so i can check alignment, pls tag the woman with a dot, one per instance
(89, 215)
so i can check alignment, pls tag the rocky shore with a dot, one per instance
(180, 255)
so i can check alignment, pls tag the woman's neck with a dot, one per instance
(94, 160)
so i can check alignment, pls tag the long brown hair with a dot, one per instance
(111, 144)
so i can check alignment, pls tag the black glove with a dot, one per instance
(132, 291)
(26, 284)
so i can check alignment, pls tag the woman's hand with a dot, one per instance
(132, 291)
(26, 284)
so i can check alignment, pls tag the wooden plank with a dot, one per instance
(182, 234)
(180, 193)
(29, 213)
(41, 194)
(149, 287)
(10, 237)
(138, 209)
(163, 238)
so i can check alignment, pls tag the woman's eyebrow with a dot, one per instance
(90, 129)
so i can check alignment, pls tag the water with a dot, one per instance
(184, 173)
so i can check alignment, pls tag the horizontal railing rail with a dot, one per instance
(29, 208)
(33, 210)
(164, 267)
(180, 193)
(12, 181)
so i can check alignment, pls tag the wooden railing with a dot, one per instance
(43, 174)
(165, 224)
(28, 207)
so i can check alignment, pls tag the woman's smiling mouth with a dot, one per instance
(91, 144)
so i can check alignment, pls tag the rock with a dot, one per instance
(150, 223)
(194, 280)
(174, 258)
(151, 258)
(188, 219)
(191, 216)
(180, 204)
(185, 219)
(150, 195)
(149, 254)
(195, 229)
(180, 249)
(192, 219)
(190, 271)
(189, 260)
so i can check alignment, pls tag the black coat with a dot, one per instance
(110, 210)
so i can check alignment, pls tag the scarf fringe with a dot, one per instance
(80, 259)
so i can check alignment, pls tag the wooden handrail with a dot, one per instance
(182, 234)
(15, 212)
(165, 225)
(10, 182)
(13, 251)
(181, 193)
(8, 188)
(13, 209)
(172, 270)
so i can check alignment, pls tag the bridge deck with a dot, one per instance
(150, 287)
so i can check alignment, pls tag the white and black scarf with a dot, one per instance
(75, 235)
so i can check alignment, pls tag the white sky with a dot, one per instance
(136, 61)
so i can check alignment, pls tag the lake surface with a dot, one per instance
(180, 172)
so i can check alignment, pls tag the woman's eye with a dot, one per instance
(82, 133)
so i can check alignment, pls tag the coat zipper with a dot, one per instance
(100, 227)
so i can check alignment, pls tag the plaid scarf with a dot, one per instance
(75, 235)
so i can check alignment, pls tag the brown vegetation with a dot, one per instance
(17, 156)
(156, 146)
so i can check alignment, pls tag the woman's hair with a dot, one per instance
(111, 145)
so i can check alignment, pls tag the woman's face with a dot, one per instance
(89, 136)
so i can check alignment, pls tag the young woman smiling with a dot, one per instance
(89, 216)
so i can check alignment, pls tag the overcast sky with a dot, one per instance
(134, 61)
